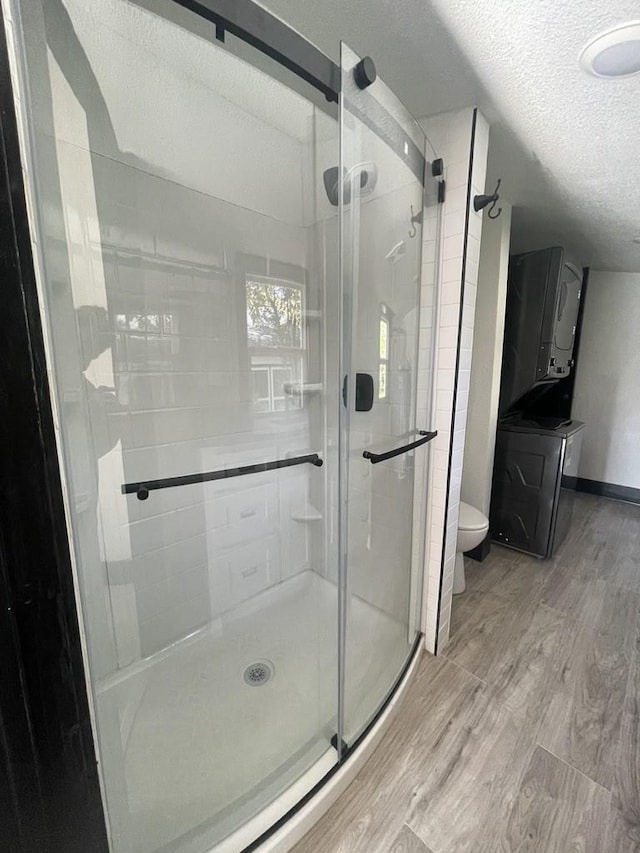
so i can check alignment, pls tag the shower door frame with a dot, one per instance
(54, 792)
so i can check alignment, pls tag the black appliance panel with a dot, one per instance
(543, 298)
(566, 316)
(523, 493)
(534, 479)
(525, 309)
(567, 491)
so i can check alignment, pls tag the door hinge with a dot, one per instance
(441, 191)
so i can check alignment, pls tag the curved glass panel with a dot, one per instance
(184, 233)
(231, 304)
(382, 198)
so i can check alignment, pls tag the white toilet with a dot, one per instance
(472, 528)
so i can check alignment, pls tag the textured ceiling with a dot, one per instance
(566, 145)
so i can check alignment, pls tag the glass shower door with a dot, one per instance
(225, 506)
(382, 194)
(182, 229)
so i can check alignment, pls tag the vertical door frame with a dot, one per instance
(48, 770)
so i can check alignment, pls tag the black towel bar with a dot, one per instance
(374, 458)
(142, 489)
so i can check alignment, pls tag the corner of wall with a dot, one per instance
(461, 138)
(484, 391)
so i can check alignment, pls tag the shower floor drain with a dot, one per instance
(258, 673)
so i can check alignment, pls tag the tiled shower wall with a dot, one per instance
(461, 138)
(148, 250)
(138, 245)
(148, 247)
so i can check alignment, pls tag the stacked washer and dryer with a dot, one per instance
(537, 443)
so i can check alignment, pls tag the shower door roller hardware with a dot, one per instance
(374, 458)
(365, 72)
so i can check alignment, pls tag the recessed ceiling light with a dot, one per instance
(614, 53)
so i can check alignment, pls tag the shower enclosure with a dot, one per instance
(228, 243)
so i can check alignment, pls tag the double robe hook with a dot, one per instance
(481, 201)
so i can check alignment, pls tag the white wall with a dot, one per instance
(452, 136)
(488, 332)
(158, 107)
(607, 390)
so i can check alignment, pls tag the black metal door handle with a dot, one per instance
(374, 458)
(364, 392)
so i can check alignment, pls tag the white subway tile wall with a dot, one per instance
(150, 257)
(452, 135)
(149, 313)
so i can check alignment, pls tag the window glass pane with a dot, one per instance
(281, 376)
(260, 384)
(382, 381)
(274, 314)
(384, 338)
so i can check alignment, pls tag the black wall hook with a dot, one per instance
(481, 201)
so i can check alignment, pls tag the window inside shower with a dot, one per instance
(275, 313)
(199, 302)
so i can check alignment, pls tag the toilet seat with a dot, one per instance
(471, 518)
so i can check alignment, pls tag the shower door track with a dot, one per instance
(268, 34)
(271, 36)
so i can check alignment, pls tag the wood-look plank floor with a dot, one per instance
(524, 735)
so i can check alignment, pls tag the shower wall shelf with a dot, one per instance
(307, 514)
(302, 389)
